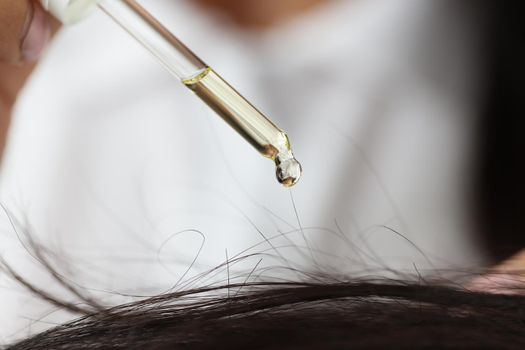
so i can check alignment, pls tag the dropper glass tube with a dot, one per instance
(258, 130)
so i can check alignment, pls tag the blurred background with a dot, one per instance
(135, 186)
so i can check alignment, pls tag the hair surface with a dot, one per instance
(350, 315)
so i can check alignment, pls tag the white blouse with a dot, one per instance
(114, 166)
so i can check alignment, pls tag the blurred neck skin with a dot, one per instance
(261, 14)
(506, 278)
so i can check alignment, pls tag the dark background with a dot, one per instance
(502, 135)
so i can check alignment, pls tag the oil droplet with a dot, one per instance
(288, 169)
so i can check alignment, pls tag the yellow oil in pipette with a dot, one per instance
(251, 124)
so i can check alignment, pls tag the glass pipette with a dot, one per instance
(251, 124)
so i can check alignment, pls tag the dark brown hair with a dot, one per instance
(343, 315)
